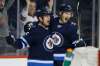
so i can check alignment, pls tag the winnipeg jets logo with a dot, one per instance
(57, 39)
(48, 43)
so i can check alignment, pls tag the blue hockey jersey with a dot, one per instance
(38, 42)
(64, 36)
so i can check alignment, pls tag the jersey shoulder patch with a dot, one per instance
(73, 23)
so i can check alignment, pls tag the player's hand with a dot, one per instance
(80, 44)
(10, 40)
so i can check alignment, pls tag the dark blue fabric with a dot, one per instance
(38, 64)
(68, 31)
(35, 39)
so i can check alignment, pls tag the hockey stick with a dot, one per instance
(78, 22)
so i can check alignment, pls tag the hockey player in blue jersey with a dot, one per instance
(38, 41)
(64, 33)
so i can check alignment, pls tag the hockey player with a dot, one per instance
(38, 41)
(64, 33)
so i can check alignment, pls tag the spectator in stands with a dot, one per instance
(4, 28)
(28, 14)
(49, 5)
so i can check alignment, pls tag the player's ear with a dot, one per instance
(60, 13)
(40, 18)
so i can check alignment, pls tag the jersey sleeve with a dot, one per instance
(76, 42)
(73, 33)
(25, 41)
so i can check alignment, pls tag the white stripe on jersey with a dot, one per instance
(41, 61)
(59, 55)
(23, 45)
(25, 42)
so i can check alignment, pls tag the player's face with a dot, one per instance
(32, 8)
(2, 3)
(66, 15)
(46, 20)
